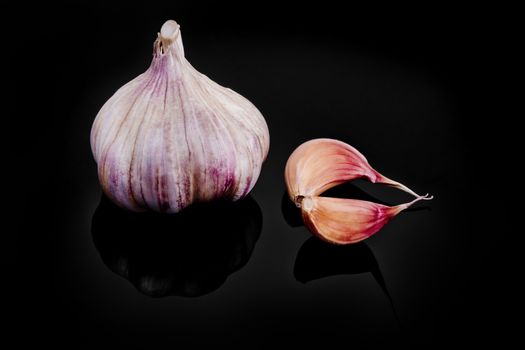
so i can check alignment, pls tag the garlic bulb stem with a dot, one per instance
(169, 31)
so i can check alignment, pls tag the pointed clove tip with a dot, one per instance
(426, 197)
(401, 207)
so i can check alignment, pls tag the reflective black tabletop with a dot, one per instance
(89, 274)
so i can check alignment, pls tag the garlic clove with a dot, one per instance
(320, 164)
(172, 136)
(344, 221)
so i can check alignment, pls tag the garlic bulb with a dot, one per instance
(172, 136)
(320, 164)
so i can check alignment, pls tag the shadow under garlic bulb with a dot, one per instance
(172, 136)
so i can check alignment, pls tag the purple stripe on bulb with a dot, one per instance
(162, 193)
(229, 182)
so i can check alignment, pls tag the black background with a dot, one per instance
(399, 84)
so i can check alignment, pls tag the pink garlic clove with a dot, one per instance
(344, 221)
(320, 164)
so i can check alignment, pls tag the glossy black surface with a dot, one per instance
(177, 254)
(396, 85)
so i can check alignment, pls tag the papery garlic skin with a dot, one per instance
(172, 136)
(320, 164)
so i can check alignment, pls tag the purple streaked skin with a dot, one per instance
(172, 137)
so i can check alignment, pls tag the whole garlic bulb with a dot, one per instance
(172, 136)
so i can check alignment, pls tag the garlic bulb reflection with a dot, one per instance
(188, 254)
(172, 136)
